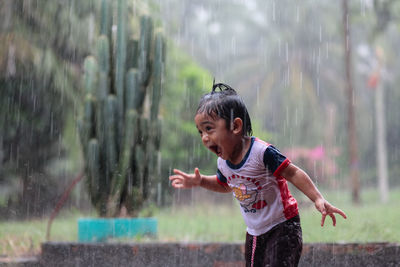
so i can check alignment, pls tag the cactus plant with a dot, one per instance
(120, 132)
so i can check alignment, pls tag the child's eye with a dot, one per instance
(208, 128)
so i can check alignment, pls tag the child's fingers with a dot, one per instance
(332, 209)
(327, 209)
(175, 178)
(176, 183)
(338, 211)
(181, 179)
(333, 219)
(323, 219)
(176, 171)
(321, 207)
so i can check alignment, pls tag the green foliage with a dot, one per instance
(287, 60)
(120, 134)
(182, 148)
(38, 67)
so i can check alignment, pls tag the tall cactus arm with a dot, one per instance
(106, 17)
(103, 56)
(120, 136)
(120, 56)
(146, 33)
(93, 169)
(120, 177)
(111, 135)
(133, 92)
(90, 74)
(157, 77)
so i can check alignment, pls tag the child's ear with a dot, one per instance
(237, 126)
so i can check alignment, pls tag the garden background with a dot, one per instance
(319, 77)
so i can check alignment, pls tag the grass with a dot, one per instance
(24, 237)
(205, 223)
(369, 222)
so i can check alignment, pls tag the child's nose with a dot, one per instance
(204, 138)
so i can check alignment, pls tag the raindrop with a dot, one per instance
(159, 190)
(192, 47)
(273, 11)
(59, 145)
(362, 7)
(319, 59)
(258, 95)
(301, 80)
(279, 47)
(327, 50)
(288, 76)
(320, 33)
(233, 45)
(51, 124)
(11, 66)
(287, 52)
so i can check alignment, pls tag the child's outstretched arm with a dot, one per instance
(303, 182)
(186, 180)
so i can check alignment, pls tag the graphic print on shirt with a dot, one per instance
(258, 185)
(248, 198)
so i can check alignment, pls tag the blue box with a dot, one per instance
(100, 229)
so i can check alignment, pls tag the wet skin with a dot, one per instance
(227, 143)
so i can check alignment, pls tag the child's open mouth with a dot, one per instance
(216, 150)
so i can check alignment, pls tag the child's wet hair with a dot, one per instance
(226, 104)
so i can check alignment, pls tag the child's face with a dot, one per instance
(217, 137)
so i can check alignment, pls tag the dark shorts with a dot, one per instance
(280, 246)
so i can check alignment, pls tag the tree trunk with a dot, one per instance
(352, 133)
(383, 12)
(381, 155)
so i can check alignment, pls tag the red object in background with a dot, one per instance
(317, 153)
(373, 80)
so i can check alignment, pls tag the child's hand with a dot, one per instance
(326, 208)
(185, 180)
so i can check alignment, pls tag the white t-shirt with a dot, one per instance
(257, 184)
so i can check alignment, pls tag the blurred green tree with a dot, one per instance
(182, 148)
(42, 44)
(286, 57)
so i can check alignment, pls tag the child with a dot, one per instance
(256, 173)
